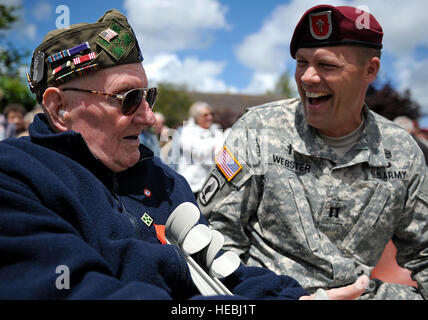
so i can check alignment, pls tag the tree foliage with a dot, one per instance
(389, 103)
(13, 88)
(174, 103)
(283, 86)
(6, 16)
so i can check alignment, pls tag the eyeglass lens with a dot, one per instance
(133, 99)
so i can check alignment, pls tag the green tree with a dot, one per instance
(173, 102)
(13, 88)
(283, 86)
(6, 16)
(390, 103)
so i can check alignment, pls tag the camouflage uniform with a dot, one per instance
(298, 209)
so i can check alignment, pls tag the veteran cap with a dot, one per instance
(326, 25)
(65, 54)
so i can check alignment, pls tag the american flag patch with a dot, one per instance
(108, 34)
(227, 164)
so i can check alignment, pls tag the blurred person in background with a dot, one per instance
(15, 114)
(411, 127)
(199, 141)
(7, 130)
(150, 140)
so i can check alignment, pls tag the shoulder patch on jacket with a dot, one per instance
(227, 164)
(209, 189)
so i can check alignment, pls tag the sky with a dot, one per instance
(235, 46)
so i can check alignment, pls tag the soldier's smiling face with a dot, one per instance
(332, 83)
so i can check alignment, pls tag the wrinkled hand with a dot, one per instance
(351, 292)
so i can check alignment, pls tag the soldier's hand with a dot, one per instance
(350, 292)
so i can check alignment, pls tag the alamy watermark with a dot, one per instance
(63, 280)
(63, 18)
(363, 20)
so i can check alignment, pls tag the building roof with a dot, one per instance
(229, 107)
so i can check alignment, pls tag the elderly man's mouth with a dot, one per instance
(131, 138)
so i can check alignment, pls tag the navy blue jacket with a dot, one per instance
(62, 210)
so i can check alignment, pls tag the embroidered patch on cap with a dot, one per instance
(119, 46)
(108, 34)
(320, 25)
(227, 164)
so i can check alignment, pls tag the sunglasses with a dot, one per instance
(131, 100)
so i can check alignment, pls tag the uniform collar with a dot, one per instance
(369, 149)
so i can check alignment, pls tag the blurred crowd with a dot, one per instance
(420, 135)
(15, 119)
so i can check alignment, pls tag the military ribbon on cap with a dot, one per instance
(77, 72)
(62, 67)
(76, 61)
(227, 164)
(69, 52)
(86, 57)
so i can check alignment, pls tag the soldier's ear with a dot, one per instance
(372, 69)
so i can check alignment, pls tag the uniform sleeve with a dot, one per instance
(230, 199)
(411, 237)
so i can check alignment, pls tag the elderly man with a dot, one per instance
(315, 187)
(83, 204)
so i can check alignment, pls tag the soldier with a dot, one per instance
(315, 187)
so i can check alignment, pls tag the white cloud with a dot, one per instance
(42, 10)
(169, 26)
(261, 82)
(194, 73)
(411, 74)
(29, 31)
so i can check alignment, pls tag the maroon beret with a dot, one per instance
(326, 25)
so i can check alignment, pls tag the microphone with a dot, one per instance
(182, 230)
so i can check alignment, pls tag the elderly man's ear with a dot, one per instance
(55, 105)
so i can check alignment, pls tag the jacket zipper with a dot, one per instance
(122, 208)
